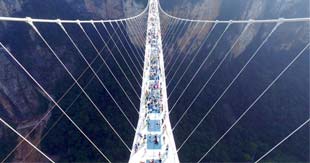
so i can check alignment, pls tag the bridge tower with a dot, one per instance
(153, 142)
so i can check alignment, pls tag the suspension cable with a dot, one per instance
(119, 51)
(60, 117)
(192, 60)
(174, 37)
(173, 59)
(114, 76)
(99, 79)
(111, 53)
(139, 67)
(255, 101)
(182, 48)
(52, 99)
(164, 26)
(71, 75)
(138, 27)
(16, 132)
(232, 82)
(124, 47)
(15, 19)
(58, 101)
(200, 67)
(169, 31)
(237, 21)
(137, 52)
(137, 36)
(174, 32)
(211, 76)
(178, 53)
(123, 72)
(133, 50)
(187, 53)
(283, 140)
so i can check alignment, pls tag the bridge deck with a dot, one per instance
(154, 142)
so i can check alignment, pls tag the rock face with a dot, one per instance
(281, 47)
(235, 10)
(21, 103)
(13, 84)
(10, 7)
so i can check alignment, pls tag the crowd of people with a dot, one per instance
(149, 138)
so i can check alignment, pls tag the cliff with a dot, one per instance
(276, 114)
(21, 103)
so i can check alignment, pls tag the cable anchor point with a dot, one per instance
(29, 21)
(78, 22)
(251, 21)
(58, 21)
(280, 21)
